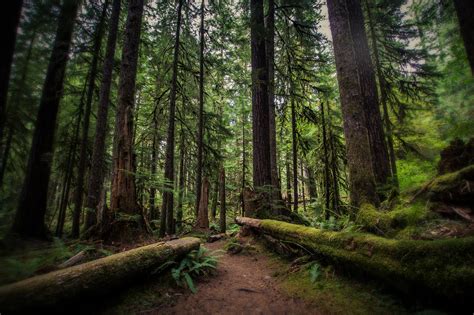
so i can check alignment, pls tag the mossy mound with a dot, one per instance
(389, 222)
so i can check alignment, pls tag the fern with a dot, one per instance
(314, 272)
(197, 263)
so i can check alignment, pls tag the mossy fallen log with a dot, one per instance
(441, 270)
(91, 279)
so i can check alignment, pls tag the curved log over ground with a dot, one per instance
(98, 277)
(441, 269)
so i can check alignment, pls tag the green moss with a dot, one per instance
(451, 180)
(444, 267)
(407, 233)
(333, 294)
(409, 214)
(372, 219)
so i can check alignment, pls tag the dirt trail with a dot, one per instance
(243, 284)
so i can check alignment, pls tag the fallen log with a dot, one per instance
(91, 279)
(441, 270)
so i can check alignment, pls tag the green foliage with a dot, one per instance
(29, 263)
(342, 222)
(233, 229)
(314, 272)
(414, 172)
(196, 264)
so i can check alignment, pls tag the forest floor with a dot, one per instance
(243, 284)
(256, 281)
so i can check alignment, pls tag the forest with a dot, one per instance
(237, 156)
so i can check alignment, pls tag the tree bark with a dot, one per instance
(465, 12)
(313, 193)
(167, 222)
(29, 218)
(153, 167)
(260, 111)
(361, 173)
(327, 182)
(10, 14)
(124, 195)
(383, 95)
(270, 54)
(368, 85)
(203, 219)
(91, 280)
(182, 171)
(288, 183)
(79, 192)
(200, 135)
(222, 212)
(294, 151)
(97, 171)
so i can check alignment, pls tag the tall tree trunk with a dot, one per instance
(6, 152)
(79, 193)
(270, 47)
(222, 212)
(288, 182)
(334, 164)
(167, 222)
(368, 85)
(313, 193)
(182, 171)
(327, 182)
(383, 96)
(215, 198)
(303, 186)
(244, 163)
(70, 165)
(260, 111)
(29, 219)
(361, 173)
(96, 178)
(203, 219)
(200, 135)
(9, 18)
(294, 149)
(153, 167)
(465, 11)
(123, 197)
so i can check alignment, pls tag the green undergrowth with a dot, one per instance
(172, 280)
(331, 293)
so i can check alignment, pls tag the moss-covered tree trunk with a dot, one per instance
(361, 172)
(439, 269)
(88, 281)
